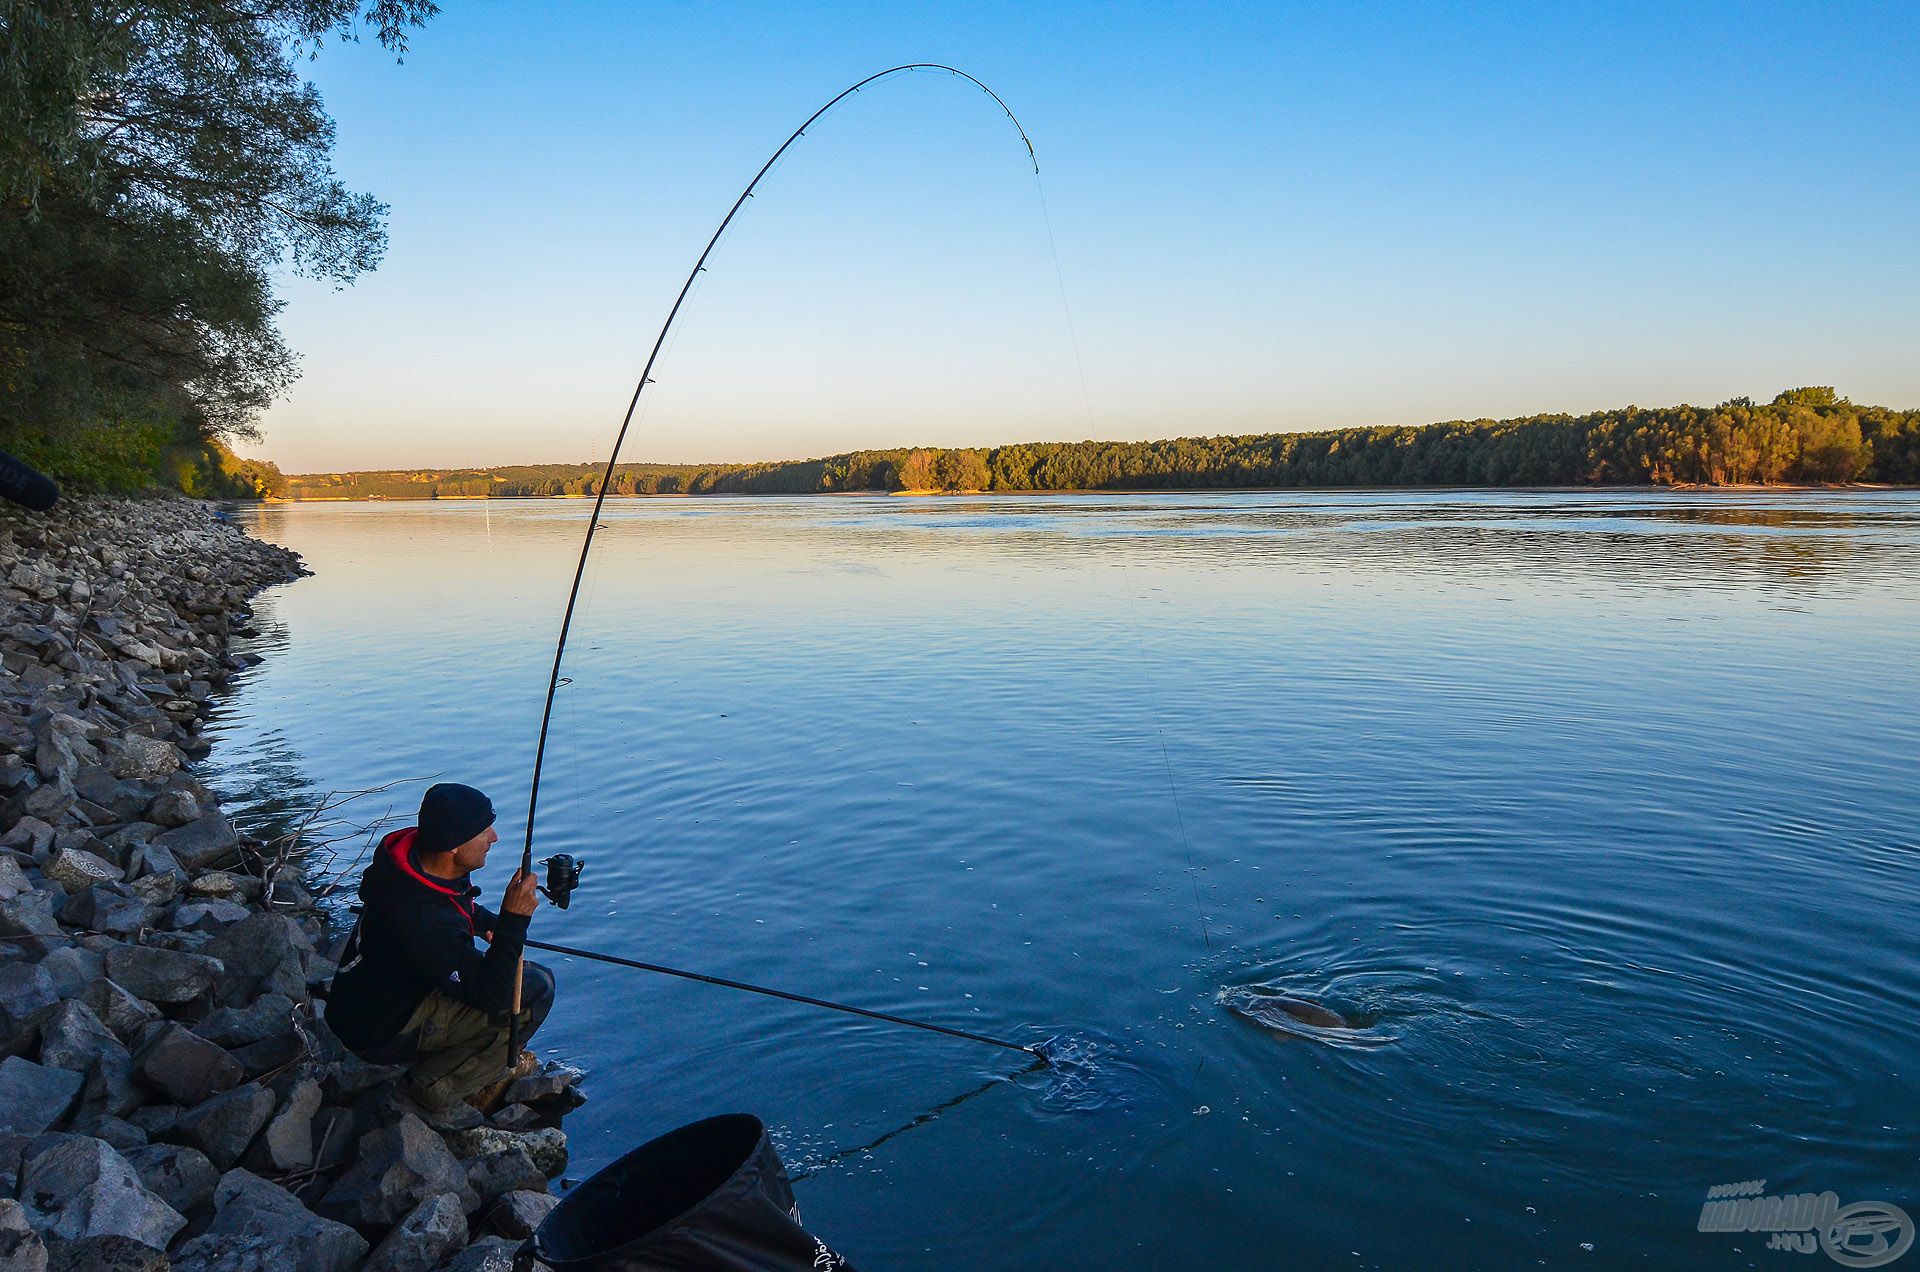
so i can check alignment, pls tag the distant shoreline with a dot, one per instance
(1687, 488)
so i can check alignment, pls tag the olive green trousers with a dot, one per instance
(458, 1050)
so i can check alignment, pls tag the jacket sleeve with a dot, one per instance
(484, 920)
(486, 980)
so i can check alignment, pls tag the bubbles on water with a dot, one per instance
(1093, 1072)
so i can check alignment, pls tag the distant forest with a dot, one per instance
(1803, 435)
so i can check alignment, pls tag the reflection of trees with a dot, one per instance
(1662, 540)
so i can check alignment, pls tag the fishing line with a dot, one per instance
(618, 961)
(1133, 618)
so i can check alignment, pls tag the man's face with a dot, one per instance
(472, 855)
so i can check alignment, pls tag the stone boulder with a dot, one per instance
(504, 1170)
(35, 1098)
(76, 869)
(82, 1188)
(250, 1209)
(186, 1067)
(21, 1249)
(547, 1147)
(118, 1010)
(72, 968)
(286, 1145)
(161, 975)
(13, 880)
(225, 1126)
(176, 1174)
(263, 1018)
(27, 994)
(201, 843)
(173, 808)
(418, 1242)
(109, 1252)
(262, 954)
(518, 1213)
(488, 1254)
(397, 1168)
(29, 914)
(141, 758)
(72, 1037)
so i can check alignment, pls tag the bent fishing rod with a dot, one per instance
(626, 422)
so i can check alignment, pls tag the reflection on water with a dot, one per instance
(1593, 811)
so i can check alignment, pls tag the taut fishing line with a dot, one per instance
(1133, 618)
(554, 678)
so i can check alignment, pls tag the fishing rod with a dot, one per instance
(606, 480)
(724, 983)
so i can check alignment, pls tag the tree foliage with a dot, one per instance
(1804, 435)
(159, 161)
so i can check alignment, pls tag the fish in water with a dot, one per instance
(1283, 1012)
(1300, 1009)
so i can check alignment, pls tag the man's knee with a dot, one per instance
(537, 985)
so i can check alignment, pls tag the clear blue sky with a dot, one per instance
(1268, 217)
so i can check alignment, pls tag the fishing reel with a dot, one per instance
(563, 876)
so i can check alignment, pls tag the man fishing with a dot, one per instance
(412, 987)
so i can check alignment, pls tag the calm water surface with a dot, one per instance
(1598, 810)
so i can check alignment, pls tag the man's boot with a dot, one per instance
(487, 1098)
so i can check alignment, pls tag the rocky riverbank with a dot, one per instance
(170, 1095)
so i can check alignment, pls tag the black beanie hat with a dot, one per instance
(451, 814)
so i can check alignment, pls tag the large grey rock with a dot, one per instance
(248, 1207)
(488, 1254)
(35, 1098)
(117, 1009)
(109, 1252)
(117, 1131)
(72, 1037)
(224, 1126)
(173, 808)
(21, 1249)
(76, 869)
(110, 908)
(398, 1167)
(29, 834)
(208, 916)
(175, 1173)
(259, 1020)
(186, 1067)
(504, 1170)
(547, 1147)
(141, 758)
(29, 914)
(114, 1088)
(81, 1188)
(162, 975)
(151, 860)
(554, 1083)
(262, 955)
(223, 885)
(418, 1242)
(13, 880)
(200, 843)
(287, 1143)
(26, 996)
(72, 968)
(518, 1213)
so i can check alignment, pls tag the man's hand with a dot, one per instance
(523, 894)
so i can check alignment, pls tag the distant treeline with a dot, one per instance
(1803, 435)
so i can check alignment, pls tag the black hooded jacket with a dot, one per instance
(416, 936)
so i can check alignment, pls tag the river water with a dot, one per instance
(1596, 812)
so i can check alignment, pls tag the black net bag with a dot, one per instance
(711, 1195)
